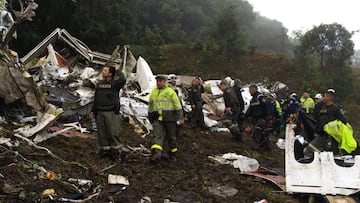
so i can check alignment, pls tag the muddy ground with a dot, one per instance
(187, 179)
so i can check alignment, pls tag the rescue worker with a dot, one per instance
(164, 112)
(329, 111)
(172, 82)
(261, 111)
(238, 89)
(318, 103)
(196, 102)
(277, 112)
(232, 109)
(106, 111)
(307, 103)
(290, 108)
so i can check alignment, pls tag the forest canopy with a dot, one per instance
(103, 24)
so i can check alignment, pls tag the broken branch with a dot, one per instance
(31, 143)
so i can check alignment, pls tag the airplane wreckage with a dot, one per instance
(56, 80)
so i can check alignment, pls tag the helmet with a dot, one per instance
(331, 90)
(318, 96)
(171, 77)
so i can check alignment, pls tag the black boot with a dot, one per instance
(172, 156)
(115, 155)
(104, 153)
(155, 155)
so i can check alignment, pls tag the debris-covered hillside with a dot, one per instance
(28, 171)
(48, 143)
(52, 155)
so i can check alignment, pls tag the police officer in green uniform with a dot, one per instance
(164, 112)
(196, 102)
(106, 111)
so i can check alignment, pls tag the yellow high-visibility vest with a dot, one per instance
(343, 134)
(162, 100)
(307, 104)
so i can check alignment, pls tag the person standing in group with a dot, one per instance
(261, 111)
(106, 112)
(196, 102)
(165, 112)
(307, 103)
(277, 112)
(238, 89)
(329, 111)
(232, 109)
(318, 104)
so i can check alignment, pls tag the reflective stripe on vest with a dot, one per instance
(164, 99)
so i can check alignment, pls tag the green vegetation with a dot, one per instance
(103, 24)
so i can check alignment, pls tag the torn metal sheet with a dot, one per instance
(322, 175)
(70, 130)
(212, 86)
(44, 135)
(209, 122)
(88, 72)
(214, 105)
(278, 180)
(82, 184)
(138, 111)
(55, 65)
(140, 107)
(86, 95)
(118, 179)
(243, 163)
(93, 57)
(51, 114)
(57, 34)
(72, 133)
(144, 75)
(8, 142)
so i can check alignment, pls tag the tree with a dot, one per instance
(331, 43)
(227, 33)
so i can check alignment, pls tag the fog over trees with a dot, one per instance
(102, 24)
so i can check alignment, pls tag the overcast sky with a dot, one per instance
(304, 14)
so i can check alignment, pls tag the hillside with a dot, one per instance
(191, 178)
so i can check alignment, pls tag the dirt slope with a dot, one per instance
(186, 180)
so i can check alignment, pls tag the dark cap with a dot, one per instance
(161, 77)
(223, 82)
(253, 86)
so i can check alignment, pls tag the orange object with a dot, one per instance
(50, 175)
